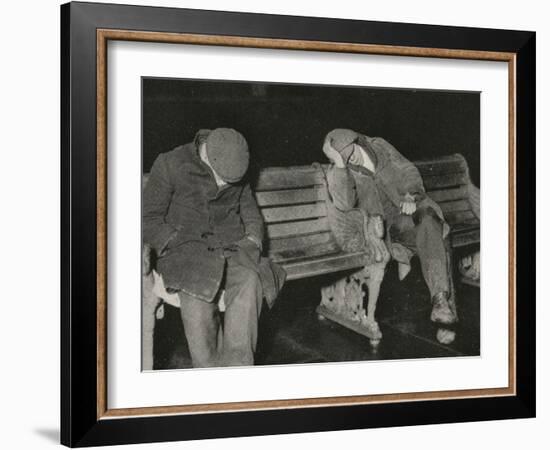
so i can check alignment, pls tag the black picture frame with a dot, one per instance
(81, 424)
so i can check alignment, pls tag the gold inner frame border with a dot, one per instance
(103, 36)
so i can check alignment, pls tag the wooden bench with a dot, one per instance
(304, 235)
(447, 181)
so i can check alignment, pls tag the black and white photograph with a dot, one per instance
(301, 223)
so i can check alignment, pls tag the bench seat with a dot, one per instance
(320, 265)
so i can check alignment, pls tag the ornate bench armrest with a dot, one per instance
(356, 231)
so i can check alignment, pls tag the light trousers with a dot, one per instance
(231, 342)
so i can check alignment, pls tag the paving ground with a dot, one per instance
(292, 333)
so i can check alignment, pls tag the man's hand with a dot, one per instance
(408, 205)
(333, 155)
(248, 253)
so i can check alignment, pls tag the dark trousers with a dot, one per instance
(426, 240)
(233, 342)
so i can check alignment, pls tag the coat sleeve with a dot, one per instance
(341, 186)
(156, 201)
(251, 216)
(408, 177)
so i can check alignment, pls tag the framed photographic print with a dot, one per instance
(275, 224)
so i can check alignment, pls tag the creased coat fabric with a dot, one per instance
(382, 192)
(190, 222)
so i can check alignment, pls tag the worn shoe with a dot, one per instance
(441, 311)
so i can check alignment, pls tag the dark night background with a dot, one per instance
(285, 124)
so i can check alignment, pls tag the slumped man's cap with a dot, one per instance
(341, 139)
(227, 152)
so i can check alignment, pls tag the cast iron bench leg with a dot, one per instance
(343, 301)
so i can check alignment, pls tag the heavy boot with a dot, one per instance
(441, 310)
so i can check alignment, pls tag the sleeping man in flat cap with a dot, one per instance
(201, 219)
(370, 174)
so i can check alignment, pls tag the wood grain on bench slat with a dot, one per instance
(469, 224)
(275, 230)
(313, 251)
(454, 206)
(294, 242)
(323, 265)
(444, 195)
(292, 213)
(442, 158)
(440, 166)
(462, 238)
(290, 196)
(285, 178)
(434, 182)
(459, 217)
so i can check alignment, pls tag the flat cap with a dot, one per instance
(227, 153)
(341, 138)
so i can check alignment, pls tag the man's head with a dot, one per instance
(344, 141)
(226, 152)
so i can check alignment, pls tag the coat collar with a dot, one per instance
(378, 157)
(363, 142)
(206, 170)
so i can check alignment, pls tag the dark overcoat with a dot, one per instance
(190, 223)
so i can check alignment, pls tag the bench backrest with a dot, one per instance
(293, 203)
(447, 181)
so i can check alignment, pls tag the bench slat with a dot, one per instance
(292, 213)
(449, 194)
(320, 266)
(276, 230)
(284, 178)
(328, 248)
(460, 239)
(440, 166)
(453, 206)
(306, 240)
(459, 217)
(467, 225)
(290, 196)
(434, 182)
